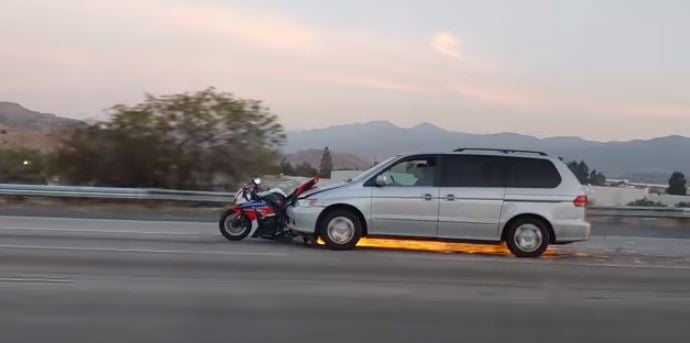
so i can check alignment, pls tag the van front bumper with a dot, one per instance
(303, 219)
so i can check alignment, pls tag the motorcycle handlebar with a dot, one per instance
(251, 192)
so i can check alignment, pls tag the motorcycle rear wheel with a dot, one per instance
(234, 229)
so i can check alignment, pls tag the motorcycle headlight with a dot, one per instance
(308, 203)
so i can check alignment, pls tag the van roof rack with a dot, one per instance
(505, 151)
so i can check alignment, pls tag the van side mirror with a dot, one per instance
(381, 180)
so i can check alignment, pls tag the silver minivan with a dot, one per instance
(526, 199)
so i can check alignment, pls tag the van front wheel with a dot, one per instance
(340, 229)
(528, 237)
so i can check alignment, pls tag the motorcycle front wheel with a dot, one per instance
(234, 229)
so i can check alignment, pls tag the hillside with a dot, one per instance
(15, 116)
(20, 127)
(647, 160)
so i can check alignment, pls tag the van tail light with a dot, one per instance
(580, 201)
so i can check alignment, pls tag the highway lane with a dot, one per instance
(86, 280)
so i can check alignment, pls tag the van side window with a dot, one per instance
(472, 171)
(531, 173)
(418, 172)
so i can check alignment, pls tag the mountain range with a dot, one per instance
(20, 127)
(651, 160)
(15, 116)
(357, 146)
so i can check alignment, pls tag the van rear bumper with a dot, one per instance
(572, 231)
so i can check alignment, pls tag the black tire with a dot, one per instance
(226, 219)
(528, 247)
(349, 221)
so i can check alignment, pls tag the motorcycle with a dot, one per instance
(257, 213)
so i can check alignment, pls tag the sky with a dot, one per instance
(603, 69)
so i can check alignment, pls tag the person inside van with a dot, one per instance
(424, 174)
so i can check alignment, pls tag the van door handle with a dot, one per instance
(450, 197)
(427, 196)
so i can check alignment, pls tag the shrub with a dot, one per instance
(644, 202)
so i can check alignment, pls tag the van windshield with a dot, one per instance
(373, 170)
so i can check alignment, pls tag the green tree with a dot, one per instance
(583, 174)
(596, 178)
(20, 165)
(305, 169)
(188, 140)
(286, 168)
(644, 202)
(581, 171)
(677, 184)
(326, 164)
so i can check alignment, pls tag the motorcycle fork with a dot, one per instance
(253, 216)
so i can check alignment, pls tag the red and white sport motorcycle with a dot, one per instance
(261, 214)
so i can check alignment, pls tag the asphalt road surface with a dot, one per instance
(112, 280)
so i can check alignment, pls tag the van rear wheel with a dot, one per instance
(528, 237)
(340, 229)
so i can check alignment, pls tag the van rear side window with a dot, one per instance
(472, 171)
(531, 173)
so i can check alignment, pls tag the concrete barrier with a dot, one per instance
(630, 211)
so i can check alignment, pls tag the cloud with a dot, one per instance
(367, 81)
(113, 52)
(657, 111)
(495, 96)
(447, 44)
(274, 31)
(470, 94)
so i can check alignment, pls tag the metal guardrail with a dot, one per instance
(226, 197)
(114, 193)
(644, 212)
